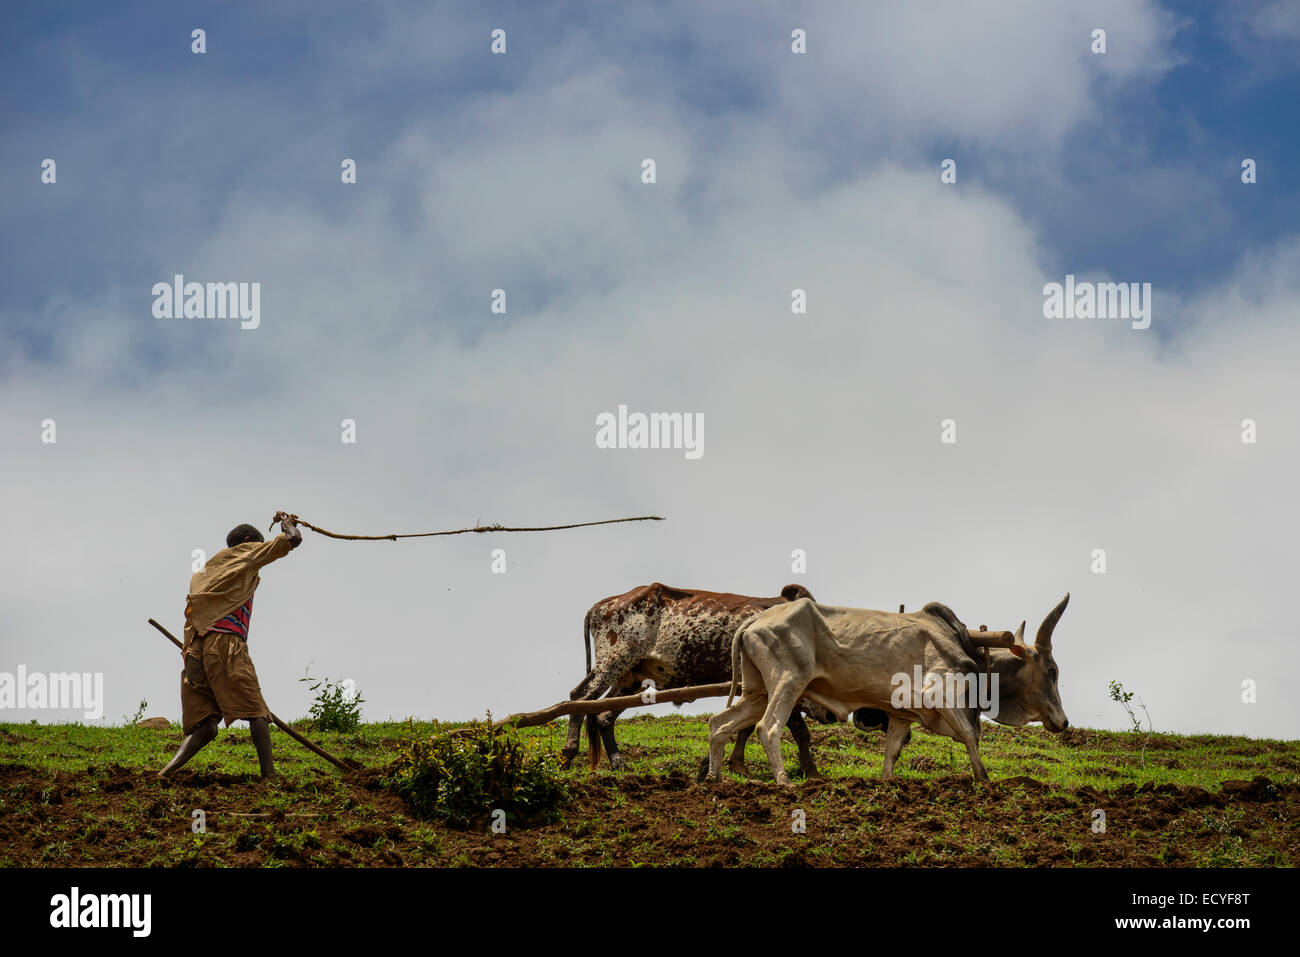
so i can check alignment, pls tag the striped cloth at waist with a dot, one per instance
(236, 623)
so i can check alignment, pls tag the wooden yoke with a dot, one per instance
(990, 639)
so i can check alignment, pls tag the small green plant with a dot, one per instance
(139, 713)
(1118, 694)
(461, 777)
(336, 705)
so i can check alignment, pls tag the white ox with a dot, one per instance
(850, 658)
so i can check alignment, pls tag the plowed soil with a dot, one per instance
(111, 815)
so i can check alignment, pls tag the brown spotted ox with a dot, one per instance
(675, 637)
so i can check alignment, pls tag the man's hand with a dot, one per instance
(288, 525)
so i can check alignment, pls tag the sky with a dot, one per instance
(774, 171)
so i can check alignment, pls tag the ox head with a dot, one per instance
(1036, 697)
(795, 592)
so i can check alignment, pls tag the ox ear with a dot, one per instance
(1020, 649)
(1043, 640)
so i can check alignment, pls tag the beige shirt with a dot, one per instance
(227, 581)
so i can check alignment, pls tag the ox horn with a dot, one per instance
(1043, 639)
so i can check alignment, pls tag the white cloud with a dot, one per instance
(821, 430)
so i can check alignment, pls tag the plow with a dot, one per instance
(340, 763)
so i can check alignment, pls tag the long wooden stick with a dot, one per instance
(282, 725)
(672, 696)
(458, 531)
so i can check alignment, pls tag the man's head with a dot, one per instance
(243, 533)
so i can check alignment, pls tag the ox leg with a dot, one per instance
(605, 724)
(968, 733)
(598, 681)
(803, 739)
(873, 719)
(570, 749)
(736, 762)
(900, 731)
(779, 708)
(722, 725)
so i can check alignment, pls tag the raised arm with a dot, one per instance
(281, 545)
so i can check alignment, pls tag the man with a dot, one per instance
(218, 679)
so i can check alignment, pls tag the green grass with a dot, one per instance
(1082, 758)
(658, 745)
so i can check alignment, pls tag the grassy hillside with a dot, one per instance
(73, 795)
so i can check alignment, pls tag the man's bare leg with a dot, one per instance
(261, 731)
(205, 732)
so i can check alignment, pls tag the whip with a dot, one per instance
(280, 516)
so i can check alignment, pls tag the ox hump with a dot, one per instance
(795, 592)
(946, 615)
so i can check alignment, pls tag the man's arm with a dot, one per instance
(266, 552)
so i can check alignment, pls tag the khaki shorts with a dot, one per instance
(219, 679)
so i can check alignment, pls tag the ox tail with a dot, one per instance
(735, 663)
(582, 691)
(593, 741)
(586, 637)
(593, 732)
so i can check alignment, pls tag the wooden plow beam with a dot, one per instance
(528, 719)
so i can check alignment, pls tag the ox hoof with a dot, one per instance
(616, 760)
(703, 774)
(736, 768)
